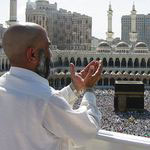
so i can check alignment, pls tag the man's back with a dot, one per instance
(22, 108)
(33, 116)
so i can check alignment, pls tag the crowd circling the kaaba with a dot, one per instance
(131, 122)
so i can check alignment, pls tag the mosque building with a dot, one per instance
(121, 60)
(65, 29)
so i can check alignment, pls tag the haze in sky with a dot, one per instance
(97, 9)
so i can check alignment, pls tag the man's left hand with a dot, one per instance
(88, 77)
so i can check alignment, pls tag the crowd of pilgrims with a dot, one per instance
(131, 122)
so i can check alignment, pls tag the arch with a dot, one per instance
(148, 63)
(85, 62)
(0, 64)
(104, 62)
(59, 70)
(125, 79)
(68, 81)
(7, 65)
(56, 64)
(143, 63)
(3, 64)
(78, 62)
(104, 71)
(119, 79)
(142, 72)
(131, 79)
(51, 81)
(106, 82)
(123, 62)
(59, 61)
(136, 63)
(51, 64)
(145, 81)
(97, 58)
(91, 59)
(117, 62)
(72, 60)
(62, 82)
(99, 82)
(112, 81)
(130, 63)
(137, 79)
(111, 63)
(57, 81)
(149, 82)
(66, 62)
(66, 71)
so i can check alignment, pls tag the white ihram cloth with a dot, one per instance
(34, 116)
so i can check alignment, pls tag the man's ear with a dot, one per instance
(32, 55)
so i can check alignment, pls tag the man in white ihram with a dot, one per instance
(34, 116)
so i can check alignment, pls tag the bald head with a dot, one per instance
(18, 38)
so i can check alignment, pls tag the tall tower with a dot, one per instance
(133, 33)
(109, 33)
(13, 13)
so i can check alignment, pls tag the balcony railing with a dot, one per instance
(107, 140)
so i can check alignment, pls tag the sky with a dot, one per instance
(97, 9)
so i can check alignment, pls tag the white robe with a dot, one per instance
(34, 116)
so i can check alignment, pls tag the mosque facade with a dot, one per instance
(121, 61)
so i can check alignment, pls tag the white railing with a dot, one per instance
(107, 140)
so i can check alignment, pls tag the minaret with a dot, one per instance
(133, 33)
(13, 13)
(109, 33)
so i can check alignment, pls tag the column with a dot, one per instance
(133, 33)
(109, 33)
(13, 10)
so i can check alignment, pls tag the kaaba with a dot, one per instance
(129, 96)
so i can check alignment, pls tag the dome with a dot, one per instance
(141, 45)
(122, 45)
(103, 44)
(103, 47)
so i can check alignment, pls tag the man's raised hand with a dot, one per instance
(88, 77)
